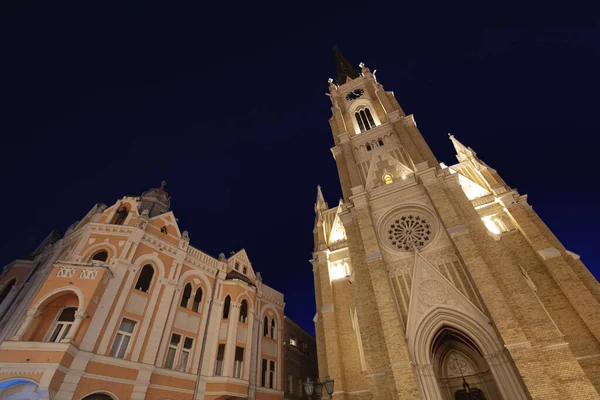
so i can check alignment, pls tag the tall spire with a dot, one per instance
(321, 204)
(462, 152)
(344, 70)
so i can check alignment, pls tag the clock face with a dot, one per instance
(355, 94)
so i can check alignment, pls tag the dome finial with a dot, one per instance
(163, 184)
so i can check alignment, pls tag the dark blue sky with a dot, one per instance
(227, 103)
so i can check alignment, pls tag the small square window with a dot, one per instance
(163, 229)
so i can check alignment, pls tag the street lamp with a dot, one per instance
(317, 387)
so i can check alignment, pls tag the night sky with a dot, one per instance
(227, 103)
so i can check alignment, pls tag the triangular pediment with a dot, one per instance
(167, 219)
(242, 259)
(430, 289)
(383, 162)
(472, 189)
(338, 232)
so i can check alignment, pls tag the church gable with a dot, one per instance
(165, 223)
(241, 263)
(384, 168)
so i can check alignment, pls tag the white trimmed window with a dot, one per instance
(185, 353)
(219, 363)
(238, 363)
(172, 352)
(272, 375)
(123, 338)
(62, 325)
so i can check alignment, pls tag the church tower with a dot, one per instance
(440, 282)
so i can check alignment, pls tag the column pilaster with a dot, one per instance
(402, 370)
(29, 318)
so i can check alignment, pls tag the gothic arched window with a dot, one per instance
(266, 327)
(7, 289)
(102, 255)
(226, 306)
(197, 300)
(273, 328)
(380, 141)
(145, 279)
(368, 147)
(244, 311)
(185, 297)
(364, 119)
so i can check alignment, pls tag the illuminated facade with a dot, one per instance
(440, 282)
(123, 307)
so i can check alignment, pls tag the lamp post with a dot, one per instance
(317, 387)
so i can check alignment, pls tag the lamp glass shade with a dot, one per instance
(328, 385)
(308, 386)
(318, 389)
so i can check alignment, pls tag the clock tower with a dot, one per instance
(440, 282)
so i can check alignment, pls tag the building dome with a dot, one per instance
(156, 201)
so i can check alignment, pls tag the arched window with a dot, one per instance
(62, 325)
(7, 289)
(145, 279)
(197, 300)
(98, 396)
(244, 311)
(368, 147)
(364, 119)
(185, 297)
(120, 216)
(273, 328)
(102, 255)
(266, 327)
(380, 141)
(226, 306)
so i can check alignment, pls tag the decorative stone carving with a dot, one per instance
(409, 232)
(432, 292)
(458, 366)
(66, 272)
(143, 219)
(88, 273)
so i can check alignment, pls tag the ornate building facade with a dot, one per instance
(299, 359)
(123, 307)
(440, 282)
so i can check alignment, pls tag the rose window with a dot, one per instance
(409, 232)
